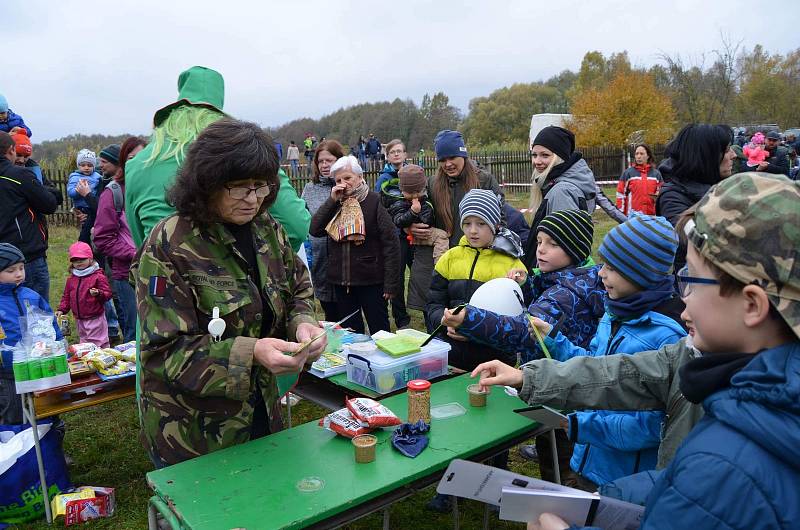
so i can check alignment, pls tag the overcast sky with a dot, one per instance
(100, 66)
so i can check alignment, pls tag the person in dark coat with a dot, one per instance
(698, 157)
(363, 253)
(778, 160)
(23, 204)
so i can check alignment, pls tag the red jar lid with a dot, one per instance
(419, 384)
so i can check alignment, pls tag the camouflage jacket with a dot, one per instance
(196, 395)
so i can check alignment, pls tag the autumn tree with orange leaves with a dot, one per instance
(630, 109)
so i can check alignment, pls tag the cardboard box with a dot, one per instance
(102, 504)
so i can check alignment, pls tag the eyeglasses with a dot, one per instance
(685, 282)
(397, 151)
(241, 192)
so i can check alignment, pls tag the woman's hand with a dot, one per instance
(269, 353)
(338, 192)
(455, 335)
(497, 373)
(452, 320)
(420, 230)
(518, 275)
(543, 327)
(83, 189)
(306, 332)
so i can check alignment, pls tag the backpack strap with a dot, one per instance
(116, 191)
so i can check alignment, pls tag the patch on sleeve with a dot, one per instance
(158, 286)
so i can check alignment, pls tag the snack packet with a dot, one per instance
(342, 422)
(371, 413)
(79, 351)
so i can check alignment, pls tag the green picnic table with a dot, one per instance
(259, 485)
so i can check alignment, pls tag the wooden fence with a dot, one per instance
(511, 168)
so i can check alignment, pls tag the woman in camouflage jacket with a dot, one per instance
(222, 250)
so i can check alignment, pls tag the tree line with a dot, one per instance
(612, 102)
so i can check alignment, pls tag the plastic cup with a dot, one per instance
(477, 397)
(365, 448)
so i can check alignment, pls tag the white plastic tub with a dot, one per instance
(383, 373)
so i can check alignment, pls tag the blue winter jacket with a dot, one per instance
(387, 173)
(614, 444)
(75, 177)
(12, 307)
(14, 120)
(740, 466)
(569, 299)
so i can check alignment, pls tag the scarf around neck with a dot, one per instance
(348, 223)
(708, 374)
(639, 303)
(87, 271)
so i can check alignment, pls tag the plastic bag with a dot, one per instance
(371, 413)
(342, 422)
(20, 489)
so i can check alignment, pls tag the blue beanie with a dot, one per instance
(448, 144)
(3, 103)
(483, 204)
(642, 249)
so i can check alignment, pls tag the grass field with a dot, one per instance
(103, 440)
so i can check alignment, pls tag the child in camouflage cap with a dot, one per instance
(738, 468)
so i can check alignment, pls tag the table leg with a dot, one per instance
(455, 512)
(29, 411)
(485, 517)
(289, 409)
(554, 450)
(386, 518)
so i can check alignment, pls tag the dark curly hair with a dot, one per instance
(226, 151)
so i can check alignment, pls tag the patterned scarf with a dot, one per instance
(348, 223)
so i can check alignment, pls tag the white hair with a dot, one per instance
(347, 162)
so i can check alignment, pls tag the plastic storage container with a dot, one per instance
(383, 373)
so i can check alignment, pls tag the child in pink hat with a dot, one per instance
(85, 294)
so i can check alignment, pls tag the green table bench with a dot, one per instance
(254, 485)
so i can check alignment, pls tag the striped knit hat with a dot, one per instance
(573, 230)
(642, 249)
(483, 204)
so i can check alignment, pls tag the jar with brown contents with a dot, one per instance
(419, 401)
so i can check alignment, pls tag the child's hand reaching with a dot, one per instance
(416, 206)
(497, 373)
(452, 320)
(94, 291)
(83, 188)
(518, 275)
(543, 327)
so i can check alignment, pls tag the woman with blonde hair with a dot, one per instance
(562, 180)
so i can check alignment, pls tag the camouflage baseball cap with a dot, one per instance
(748, 225)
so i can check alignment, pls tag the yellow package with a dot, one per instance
(100, 360)
(119, 367)
(59, 502)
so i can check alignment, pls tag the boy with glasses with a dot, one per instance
(738, 467)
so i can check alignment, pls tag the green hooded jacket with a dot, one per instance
(146, 184)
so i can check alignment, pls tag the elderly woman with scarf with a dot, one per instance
(315, 194)
(363, 253)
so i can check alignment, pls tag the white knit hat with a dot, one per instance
(85, 155)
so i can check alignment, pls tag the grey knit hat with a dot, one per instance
(483, 204)
(10, 255)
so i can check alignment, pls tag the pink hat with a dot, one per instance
(80, 250)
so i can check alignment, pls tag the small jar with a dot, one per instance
(419, 401)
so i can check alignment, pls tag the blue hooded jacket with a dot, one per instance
(570, 299)
(75, 177)
(14, 120)
(740, 466)
(12, 307)
(614, 444)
